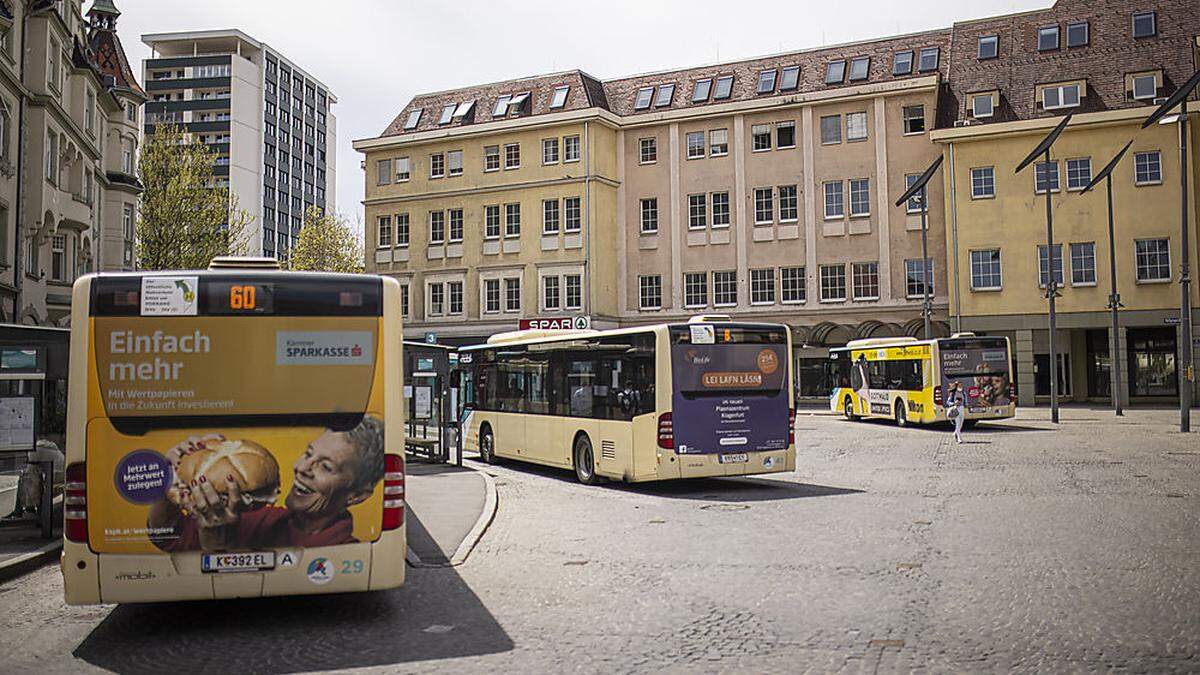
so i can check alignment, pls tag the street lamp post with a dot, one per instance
(917, 191)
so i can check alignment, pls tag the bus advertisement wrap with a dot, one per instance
(981, 372)
(729, 397)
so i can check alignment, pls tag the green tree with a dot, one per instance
(326, 243)
(184, 222)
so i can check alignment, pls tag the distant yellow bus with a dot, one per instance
(905, 379)
(706, 398)
(233, 433)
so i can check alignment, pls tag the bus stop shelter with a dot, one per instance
(431, 392)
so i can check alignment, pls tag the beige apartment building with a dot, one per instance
(69, 108)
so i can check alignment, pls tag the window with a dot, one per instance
(385, 172)
(404, 300)
(724, 88)
(1153, 257)
(573, 214)
(127, 230)
(501, 108)
(384, 239)
(831, 129)
(697, 212)
(1147, 168)
(560, 97)
(762, 286)
(860, 68)
(647, 150)
(790, 78)
(455, 290)
(860, 197)
(985, 270)
(402, 230)
(491, 296)
(1045, 177)
(792, 287)
(52, 158)
(718, 142)
(914, 119)
(491, 158)
(447, 112)
(833, 283)
(1077, 34)
(720, 209)
(760, 135)
(650, 215)
(512, 220)
(403, 169)
(983, 182)
(834, 206)
(456, 226)
(512, 156)
(1064, 96)
(1145, 87)
(766, 81)
(988, 47)
(902, 63)
(650, 292)
(866, 281)
(701, 90)
(695, 144)
(915, 274)
(89, 112)
(856, 126)
(982, 105)
(58, 258)
(1048, 38)
(764, 206)
(550, 216)
(437, 299)
(788, 207)
(929, 60)
(1079, 173)
(574, 284)
(1043, 269)
(666, 93)
(550, 293)
(724, 289)
(512, 294)
(570, 148)
(454, 159)
(549, 151)
(1144, 25)
(437, 165)
(695, 289)
(491, 221)
(835, 72)
(437, 227)
(1083, 264)
(785, 134)
(643, 98)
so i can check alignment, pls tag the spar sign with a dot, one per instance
(557, 323)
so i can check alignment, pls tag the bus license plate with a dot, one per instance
(739, 458)
(237, 562)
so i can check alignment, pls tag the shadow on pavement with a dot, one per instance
(735, 489)
(423, 544)
(434, 616)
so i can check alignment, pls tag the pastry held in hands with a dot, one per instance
(250, 464)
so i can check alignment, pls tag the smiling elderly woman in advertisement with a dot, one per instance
(224, 495)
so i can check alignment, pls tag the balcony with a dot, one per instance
(172, 84)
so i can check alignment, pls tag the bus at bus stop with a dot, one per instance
(707, 398)
(235, 432)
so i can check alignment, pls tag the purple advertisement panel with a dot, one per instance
(729, 398)
(980, 371)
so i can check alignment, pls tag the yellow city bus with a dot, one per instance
(905, 379)
(235, 432)
(706, 398)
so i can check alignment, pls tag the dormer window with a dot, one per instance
(1048, 38)
(644, 96)
(929, 60)
(989, 47)
(1144, 86)
(1144, 25)
(666, 93)
(463, 109)
(447, 113)
(790, 79)
(835, 72)
(1059, 96)
(724, 88)
(902, 63)
(701, 90)
(859, 68)
(1078, 34)
(516, 104)
(766, 81)
(983, 105)
(560, 97)
(501, 108)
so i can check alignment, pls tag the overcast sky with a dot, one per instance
(376, 54)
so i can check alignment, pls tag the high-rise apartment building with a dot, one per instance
(270, 123)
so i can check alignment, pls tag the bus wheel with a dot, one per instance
(487, 446)
(969, 424)
(901, 414)
(848, 409)
(585, 462)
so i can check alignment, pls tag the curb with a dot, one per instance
(25, 563)
(490, 503)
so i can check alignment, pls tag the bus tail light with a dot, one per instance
(1012, 391)
(666, 432)
(75, 525)
(393, 492)
(937, 395)
(791, 426)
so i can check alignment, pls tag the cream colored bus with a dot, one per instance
(706, 398)
(234, 432)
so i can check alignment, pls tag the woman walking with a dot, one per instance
(955, 408)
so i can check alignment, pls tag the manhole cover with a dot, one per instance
(725, 507)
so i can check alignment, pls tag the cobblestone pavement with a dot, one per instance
(890, 549)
